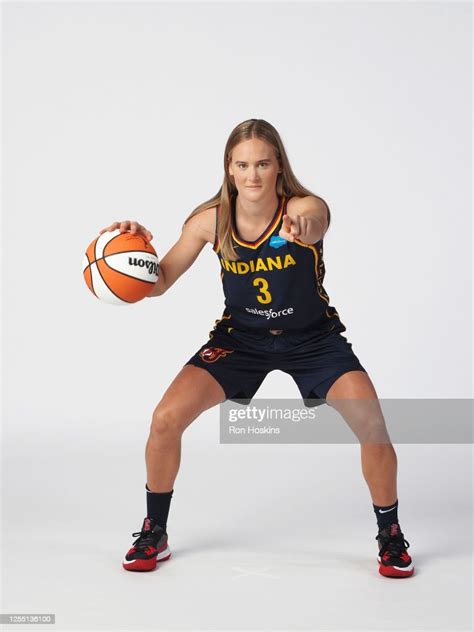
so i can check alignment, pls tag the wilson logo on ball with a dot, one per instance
(151, 266)
(120, 268)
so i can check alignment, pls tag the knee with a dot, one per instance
(373, 430)
(367, 422)
(166, 424)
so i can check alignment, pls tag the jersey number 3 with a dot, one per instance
(265, 297)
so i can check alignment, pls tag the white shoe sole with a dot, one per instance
(398, 568)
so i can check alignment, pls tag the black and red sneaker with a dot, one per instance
(393, 558)
(150, 547)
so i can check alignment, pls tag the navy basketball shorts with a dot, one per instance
(240, 360)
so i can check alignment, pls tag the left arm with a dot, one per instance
(307, 220)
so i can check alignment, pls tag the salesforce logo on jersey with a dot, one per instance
(270, 313)
(277, 241)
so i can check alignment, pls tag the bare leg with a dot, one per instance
(354, 396)
(193, 391)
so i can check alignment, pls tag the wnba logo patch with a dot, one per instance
(276, 241)
(211, 354)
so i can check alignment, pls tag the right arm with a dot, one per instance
(197, 231)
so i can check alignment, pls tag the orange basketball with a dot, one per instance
(120, 268)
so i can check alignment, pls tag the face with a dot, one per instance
(255, 168)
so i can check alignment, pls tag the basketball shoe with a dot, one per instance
(393, 558)
(150, 547)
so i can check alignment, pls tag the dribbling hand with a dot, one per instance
(129, 226)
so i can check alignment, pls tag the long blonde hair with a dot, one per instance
(287, 183)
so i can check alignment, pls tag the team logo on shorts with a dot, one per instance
(211, 354)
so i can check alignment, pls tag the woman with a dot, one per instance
(267, 231)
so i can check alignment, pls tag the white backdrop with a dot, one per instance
(121, 111)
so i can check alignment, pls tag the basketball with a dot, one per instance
(120, 268)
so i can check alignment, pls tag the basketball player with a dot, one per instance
(267, 231)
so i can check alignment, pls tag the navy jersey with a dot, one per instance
(275, 284)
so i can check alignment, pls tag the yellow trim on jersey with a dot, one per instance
(265, 235)
(219, 320)
(324, 296)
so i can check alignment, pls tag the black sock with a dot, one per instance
(158, 506)
(386, 517)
